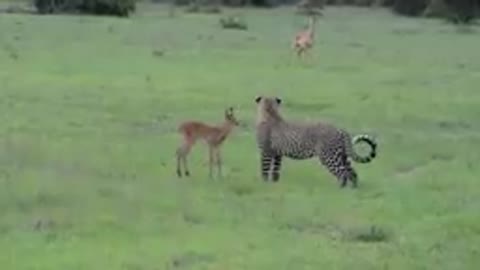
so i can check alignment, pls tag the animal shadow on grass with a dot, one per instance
(366, 234)
(451, 125)
(304, 226)
(188, 260)
(241, 189)
(158, 52)
(49, 227)
(191, 218)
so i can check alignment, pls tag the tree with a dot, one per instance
(121, 8)
(409, 7)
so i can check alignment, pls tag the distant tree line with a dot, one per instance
(121, 8)
(459, 11)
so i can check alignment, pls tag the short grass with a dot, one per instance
(89, 108)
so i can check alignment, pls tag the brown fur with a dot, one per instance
(304, 40)
(212, 135)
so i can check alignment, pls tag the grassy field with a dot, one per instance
(89, 108)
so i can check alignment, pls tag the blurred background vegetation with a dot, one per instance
(455, 11)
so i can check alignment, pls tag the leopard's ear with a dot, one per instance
(257, 99)
(278, 100)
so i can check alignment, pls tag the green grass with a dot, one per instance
(88, 116)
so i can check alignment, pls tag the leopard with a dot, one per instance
(278, 137)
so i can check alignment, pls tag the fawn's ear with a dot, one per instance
(278, 100)
(257, 99)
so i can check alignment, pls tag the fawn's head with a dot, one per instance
(230, 116)
(268, 108)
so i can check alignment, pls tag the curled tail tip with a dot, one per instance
(363, 137)
(373, 144)
(366, 138)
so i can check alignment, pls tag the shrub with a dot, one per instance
(368, 234)
(51, 6)
(364, 3)
(310, 7)
(383, 3)
(437, 8)
(203, 6)
(463, 12)
(410, 7)
(121, 8)
(233, 22)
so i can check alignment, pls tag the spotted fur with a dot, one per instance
(278, 138)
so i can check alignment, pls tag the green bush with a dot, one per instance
(121, 8)
(384, 3)
(410, 7)
(233, 22)
(364, 3)
(437, 8)
(464, 11)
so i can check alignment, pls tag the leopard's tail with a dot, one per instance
(362, 138)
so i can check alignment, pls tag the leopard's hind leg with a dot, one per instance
(337, 163)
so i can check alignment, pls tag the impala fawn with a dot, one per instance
(213, 136)
(304, 40)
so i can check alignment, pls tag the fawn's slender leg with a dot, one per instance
(182, 150)
(185, 150)
(179, 160)
(302, 55)
(219, 163)
(210, 162)
(310, 55)
(185, 165)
